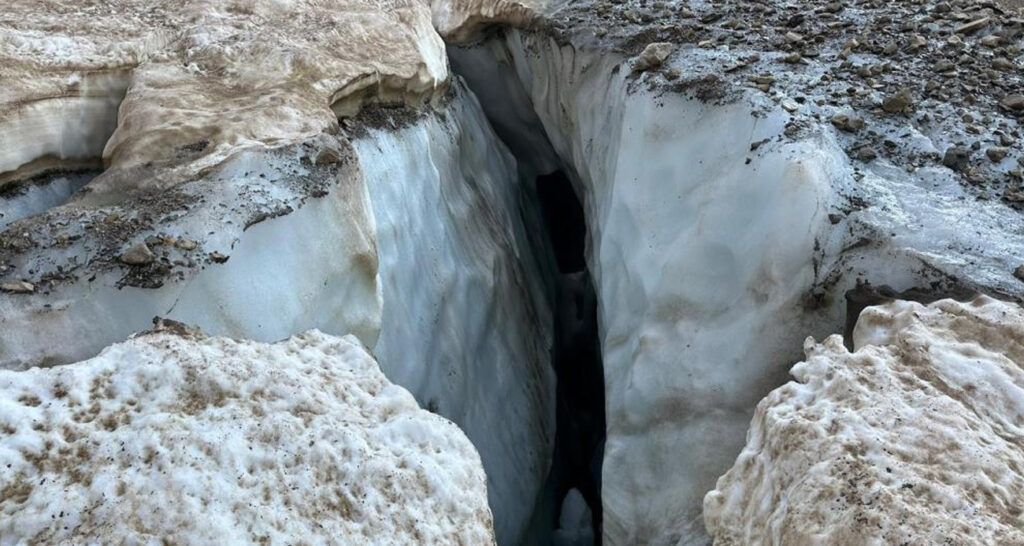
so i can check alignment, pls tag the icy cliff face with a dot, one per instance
(465, 325)
(913, 438)
(726, 223)
(181, 437)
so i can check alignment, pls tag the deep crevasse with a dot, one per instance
(712, 258)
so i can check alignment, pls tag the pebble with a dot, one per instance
(898, 103)
(997, 153)
(137, 255)
(1013, 102)
(847, 123)
(18, 287)
(653, 56)
(957, 158)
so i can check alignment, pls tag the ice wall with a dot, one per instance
(465, 325)
(408, 237)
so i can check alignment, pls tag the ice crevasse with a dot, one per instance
(721, 233)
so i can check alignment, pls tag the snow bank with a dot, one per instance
(914, 438)
(181, 437)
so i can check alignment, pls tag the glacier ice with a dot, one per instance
(175, 436)
(912, 438)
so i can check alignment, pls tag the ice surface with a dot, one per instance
(179, 437)
(914, 438)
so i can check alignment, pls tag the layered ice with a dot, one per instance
(135, 82)
(174, 436)
(913, 438)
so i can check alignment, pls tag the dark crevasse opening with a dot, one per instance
(38, 193)
(576, 355)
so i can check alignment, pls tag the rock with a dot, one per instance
(991, 41)
(202, 440)
(973, 26)
(867, 154)
(898, 103)
(792, 58)
(793, 37)
(1019, 272)
(996, 153)
(219, 258)
(186, 244)
(18, 287)
(847, 123)
(138, 255)
(957, 158)
(917, 42)
(944, 65)
(653, 56)
(921, 420)
(1014, 103)
(1004, 64)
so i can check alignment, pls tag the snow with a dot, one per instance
(913, 438)
(179, 437)
(717, 242)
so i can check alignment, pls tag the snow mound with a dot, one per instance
(917, 437)
(191, 439)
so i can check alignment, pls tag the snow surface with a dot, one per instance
(191, 439)
(716, 244)
(914, 438)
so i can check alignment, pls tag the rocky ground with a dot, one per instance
(876, 70)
